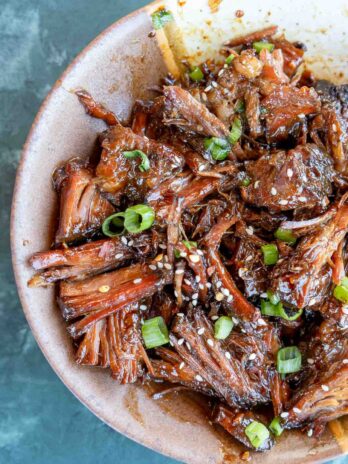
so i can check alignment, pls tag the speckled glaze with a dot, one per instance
(117, 68)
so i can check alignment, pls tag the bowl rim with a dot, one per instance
(16, 264)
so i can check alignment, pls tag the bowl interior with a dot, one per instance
(117, 68)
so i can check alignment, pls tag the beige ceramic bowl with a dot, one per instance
(117, 68)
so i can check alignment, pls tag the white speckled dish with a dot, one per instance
(117, 68)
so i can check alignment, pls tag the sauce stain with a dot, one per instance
(214, 5)
(339, 429)
(131, 403)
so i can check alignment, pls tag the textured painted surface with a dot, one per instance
(40, 420)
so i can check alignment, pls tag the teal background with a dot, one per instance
(41, 422)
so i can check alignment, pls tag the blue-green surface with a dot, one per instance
(41, 422)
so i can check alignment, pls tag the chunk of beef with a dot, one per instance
(235, 422)
(292, 54)
(226, 374)
(92, 258)
(253, 111)
(117, 174)
(295, 279)
(186, 111)
(286, 106)
(287, 180)
(324, 400)
(273, 67)
(96, 110)
(82, 207)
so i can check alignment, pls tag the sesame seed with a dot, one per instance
(301, 115)
(143, 307)
(302, 199)
(119, 256)
(249, 230)
(290, 173)
(160, 265)
(199, 378)
(284, 414)
(179, 271)
(261, 322)
(345, 361)
(242, 271)
(187, 282)
(104, 289)
(204, 96)
(124, 240)
(137, 281)
(218, 284)
(214, 318)
(188, 346)
(225, 291)
(220, 73)
(181, 341)
(256, 184)
(225, 66)
(183, 254)
(182, 365)
(263, 295)
(194, 258)
(176, 294)
(200, 252)
(310, 361)
(168, 266)
(181, 314)
(312, 302)
(198, 278)
(194, 302)
(248, 258)
(334, 127)
(170, 342)
(201, 331)
(201, 168)
(310, 432)
(210, 342)
(201, 286)
(208, 88)
(252, 357)
(131, 242)
(297, 410)
(228, 354)
(195, 296)
(152, 267)
(283, 202)
(273, 191)
(235, 320)
(214, 84)
(162, 246)
(208, 285)
(325, 388)
(219, 296)
(174, 374)
(229, 298)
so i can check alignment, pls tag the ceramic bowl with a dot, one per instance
(119, 67)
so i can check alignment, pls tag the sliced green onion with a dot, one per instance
(177, 253)
(277, 309)
(160, 18)
(138, 218)
(230, 58)
(344, 282)
(114, 225)
(257, 433)
(196, 74)
(270, 254)
(273, 298)
(154, 332)
(218, 148)
(236, 131)
(145, 163)
(275, 427)
(188, 244)
(223, 327)
(341, 293)
(246, 181)
(285, 236)
(239, 106)
(289, 360)
(259, 46)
